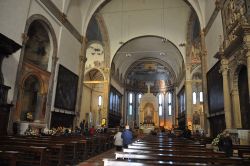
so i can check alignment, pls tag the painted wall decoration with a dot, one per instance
(66, 89)
(95, 55)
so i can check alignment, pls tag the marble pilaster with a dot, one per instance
(227, 102)
(236, 109)
(82, 61)
(204, 83)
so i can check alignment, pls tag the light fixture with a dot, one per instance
(128, 55)
(162, 53)
(164, 40)
(121, 42)
(182, 44)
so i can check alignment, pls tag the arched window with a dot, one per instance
(99, 101)
(139, 98)
(169, 103)
(130, 107)
(201, 96)
(160, 98)
(194, 98)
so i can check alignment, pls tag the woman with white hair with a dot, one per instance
(118, 140)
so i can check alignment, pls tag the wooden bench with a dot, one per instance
(8, 158)
(112, 162)
(180, 158)
(174, 152)
(243, 150)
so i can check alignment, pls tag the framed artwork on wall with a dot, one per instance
(66, 90)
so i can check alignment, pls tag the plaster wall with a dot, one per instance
(86, 102)
(74, 15)
(213, 42)
(68, 51)
(208, 9)
(59, 3)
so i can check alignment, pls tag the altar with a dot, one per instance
(148, 114)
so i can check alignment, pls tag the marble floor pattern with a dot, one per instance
(97, 160)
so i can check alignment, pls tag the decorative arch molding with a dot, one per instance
(39, 78)
(53, 53)
(105, 39)
(172, 74)
(197, 69)
(236, 73)
(94, 68)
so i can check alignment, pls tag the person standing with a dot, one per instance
(118, 140)
(127, 137)
(82, 126)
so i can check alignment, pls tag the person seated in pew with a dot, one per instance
(92, 131)
(187, 132)
(127, 136)
(226, 144)
(118, 140)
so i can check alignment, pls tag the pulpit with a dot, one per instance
(7, 47)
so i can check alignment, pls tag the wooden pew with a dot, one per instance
(174, 152)
(243, 150)
(8, 158)
(180, 158)
(112, 162)
(28, 155)
(162, 150)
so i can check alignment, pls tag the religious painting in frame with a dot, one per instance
(66, 90)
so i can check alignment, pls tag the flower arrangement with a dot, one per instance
(29, 116)
(216, 140)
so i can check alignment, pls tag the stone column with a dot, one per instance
(164, 109)
(204, 83)
(248, 70)
(189, 98)
(48, 113)
(226, 93)
(236, 109)
(188, 89)
(176, 115)
(82, 61)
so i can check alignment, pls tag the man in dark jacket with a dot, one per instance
(127, 137)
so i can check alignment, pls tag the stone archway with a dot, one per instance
(38, 57)
(95, 84)
(31, 99)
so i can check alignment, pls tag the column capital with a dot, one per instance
(25, 37)
(55, 58)
(234, 92)
(219, 4)
(84, 40)
(246, 43)
(82, 59)
(224, 66)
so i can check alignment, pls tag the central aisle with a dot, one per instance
(97, 160)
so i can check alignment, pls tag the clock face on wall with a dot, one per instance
(95, 49)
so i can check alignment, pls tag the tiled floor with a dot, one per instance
(97, 160)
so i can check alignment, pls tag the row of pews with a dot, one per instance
(51, 150)
(163, 150)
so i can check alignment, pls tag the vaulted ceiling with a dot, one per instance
(146, 33)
